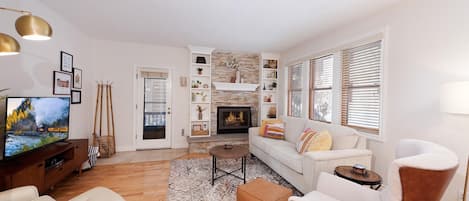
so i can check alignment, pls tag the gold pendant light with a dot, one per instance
(32, 27)
(8, 45)
(29, 27)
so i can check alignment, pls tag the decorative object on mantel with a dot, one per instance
(226, 86)
(105, 142)
(455, 100)
(29, 27)
(234, 64)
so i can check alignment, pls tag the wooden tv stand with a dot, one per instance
(34, 168)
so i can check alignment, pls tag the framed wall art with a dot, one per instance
(66, 62)
(77, 78)
(62, 83)
(76, 97)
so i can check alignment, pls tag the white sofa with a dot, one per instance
(302, 170)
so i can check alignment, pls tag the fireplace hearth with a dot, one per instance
(231, 119)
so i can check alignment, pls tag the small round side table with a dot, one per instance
(371, 178)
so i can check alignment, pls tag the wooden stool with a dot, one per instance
(262, 190)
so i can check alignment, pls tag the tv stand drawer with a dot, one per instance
(55, 174)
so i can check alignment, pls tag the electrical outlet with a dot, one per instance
(182, 132)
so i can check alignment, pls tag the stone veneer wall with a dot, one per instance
(249, 69)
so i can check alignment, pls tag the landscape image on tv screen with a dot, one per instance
(34, 122)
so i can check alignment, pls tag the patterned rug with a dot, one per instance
(190, 180)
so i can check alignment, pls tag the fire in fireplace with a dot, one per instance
(233, 119)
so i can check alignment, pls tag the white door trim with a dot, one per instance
(136, 101)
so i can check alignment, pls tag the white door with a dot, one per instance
(153, 108)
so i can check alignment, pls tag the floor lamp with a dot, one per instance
(455, 100)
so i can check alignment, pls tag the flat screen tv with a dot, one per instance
(34, 122)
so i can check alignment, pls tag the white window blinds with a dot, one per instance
(321, 88)
(361, 87)
(295, 90)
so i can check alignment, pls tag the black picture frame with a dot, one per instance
(66, 62)
(62, 83)
(77, 78)
(74, 95)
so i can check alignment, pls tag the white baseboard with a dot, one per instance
(125, 148)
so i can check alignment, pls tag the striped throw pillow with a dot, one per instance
(276, 131)
(305, 140)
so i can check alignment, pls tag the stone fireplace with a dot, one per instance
(232, 119)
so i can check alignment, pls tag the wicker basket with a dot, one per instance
(106, 146)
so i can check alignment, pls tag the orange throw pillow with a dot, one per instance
(275, 131)
(266, 122)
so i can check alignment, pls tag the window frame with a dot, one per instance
(312, 89)
(346, 90)
(290, 90)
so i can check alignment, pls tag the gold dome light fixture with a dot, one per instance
(8, 45)
(29, 27)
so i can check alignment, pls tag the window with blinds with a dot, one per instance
(295, 90)
(154, 98)
(321, 88)
(361, 87)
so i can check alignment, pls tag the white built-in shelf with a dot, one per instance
(227, 86)
(200, 75)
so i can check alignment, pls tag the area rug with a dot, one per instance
(190, 179)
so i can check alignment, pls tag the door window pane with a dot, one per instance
(154, 120)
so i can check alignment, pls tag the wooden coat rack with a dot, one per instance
(105, 141)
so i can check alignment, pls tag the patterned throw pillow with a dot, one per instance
(322, 141)
(305, 140)
(266, 122)
(276, 131)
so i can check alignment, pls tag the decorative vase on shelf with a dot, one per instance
(200, 116)
(238, 76)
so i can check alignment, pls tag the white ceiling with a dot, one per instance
(242, 25)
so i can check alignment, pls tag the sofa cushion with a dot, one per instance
(322, 141)
(293, 128)
(285, 153)
(344, 142)
(304, 140)
(265, 123)
(275, 131)
(263, 143)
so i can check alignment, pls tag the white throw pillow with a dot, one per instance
(344, 142)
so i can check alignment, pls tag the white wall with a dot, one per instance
(115, 61)
(427, 45)
(31, 72)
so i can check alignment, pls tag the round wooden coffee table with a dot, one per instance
(371, 178)
(235, 152)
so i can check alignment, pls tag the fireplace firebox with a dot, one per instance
(232, 119)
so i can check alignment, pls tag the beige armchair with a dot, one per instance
(421, 172)
(30, 193)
